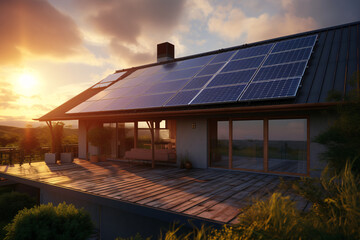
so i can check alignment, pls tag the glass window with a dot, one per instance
(125, 138)
(219, 144)
(287, 146)
(248, 144)
(112, 149)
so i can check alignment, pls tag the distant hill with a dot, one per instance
(12, 135)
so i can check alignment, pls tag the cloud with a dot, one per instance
(325, 12)
(7, 96)
(134, 27)
(232, 23)
(36, 28)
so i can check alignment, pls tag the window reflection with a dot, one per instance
(219, 142)
(248, 144)
(287, 147)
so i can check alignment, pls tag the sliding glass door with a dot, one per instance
(264, 145)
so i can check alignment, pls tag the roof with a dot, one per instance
(334, 60)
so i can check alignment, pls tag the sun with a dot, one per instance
(27, 80)
(27, 83)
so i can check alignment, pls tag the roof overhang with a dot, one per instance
(193, 112)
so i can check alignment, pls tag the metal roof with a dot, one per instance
(334, 62)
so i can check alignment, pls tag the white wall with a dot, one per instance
(83, 124)
(192, 141)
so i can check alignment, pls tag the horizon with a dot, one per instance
(41, 69)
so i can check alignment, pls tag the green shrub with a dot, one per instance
(49, 222)
(10, 204)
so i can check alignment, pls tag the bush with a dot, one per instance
(10, 204)
(49, 222)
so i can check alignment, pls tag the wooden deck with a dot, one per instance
(211, 194)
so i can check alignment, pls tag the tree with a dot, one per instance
(29, 142)
(342, 139)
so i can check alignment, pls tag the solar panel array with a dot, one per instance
(256, 73)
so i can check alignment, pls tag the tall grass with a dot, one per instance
(335, 214)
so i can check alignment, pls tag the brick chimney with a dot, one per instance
(165, 52)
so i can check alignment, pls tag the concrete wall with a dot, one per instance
(111, 220)
(192, 141)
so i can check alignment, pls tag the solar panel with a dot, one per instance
(240, 77)
(261, 72)
(271, 89)
(172, 86)
(149, 101)
(295, 43)
(281, 71)
(288, 56)
(210, 69)
(117, 104)
(182, 98)
(79, 107)
(243, 64)
(219, 95)
(222, 57)
(197, 82)
(97, 105)
(127, 92)
(109, 80)
(194, 62)
(253, 51)
(184, 73)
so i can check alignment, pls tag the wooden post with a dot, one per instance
(266, 144)
(49, 123)
(230, 143)
(151, 127)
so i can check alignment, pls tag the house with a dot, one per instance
(254, 107)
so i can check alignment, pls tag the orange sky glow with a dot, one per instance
(52, 50)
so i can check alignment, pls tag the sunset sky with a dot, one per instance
(52, 50)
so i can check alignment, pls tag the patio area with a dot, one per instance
(210, 194)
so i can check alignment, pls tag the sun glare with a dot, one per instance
(26, 83)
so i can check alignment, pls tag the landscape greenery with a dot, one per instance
(20, 144)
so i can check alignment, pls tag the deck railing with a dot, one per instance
(13, 155)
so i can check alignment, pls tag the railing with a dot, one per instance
(11, 155)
